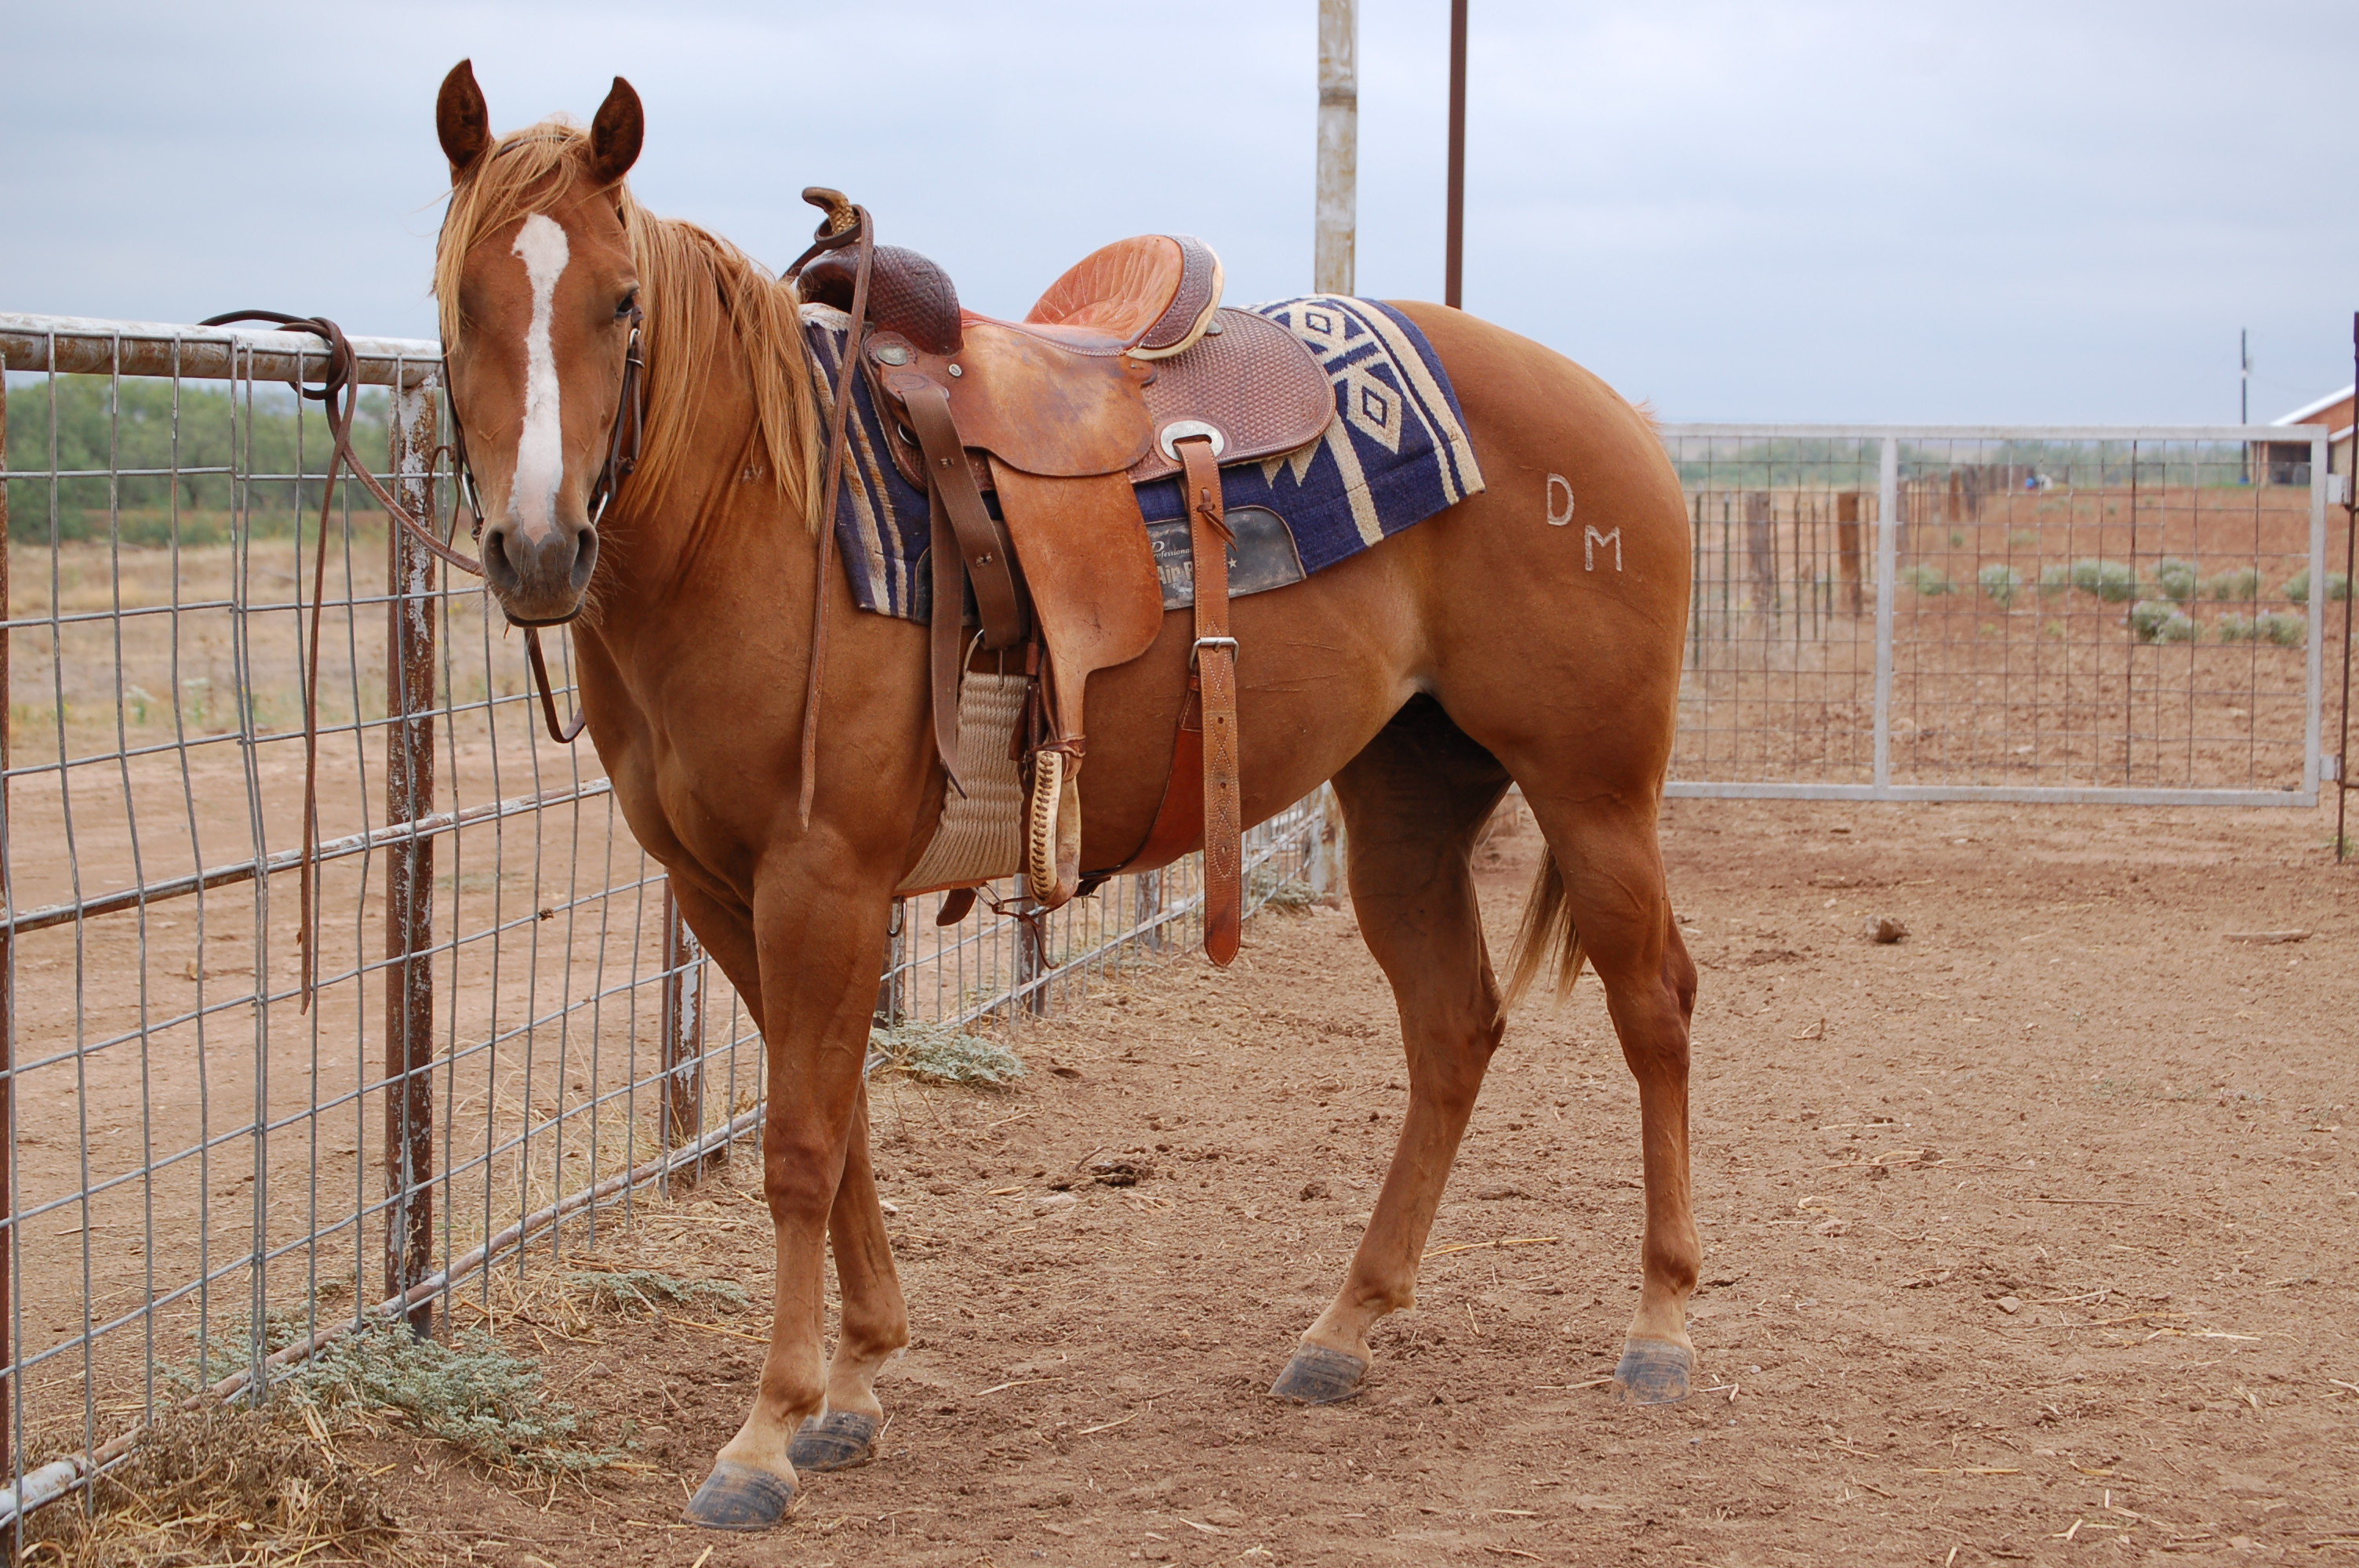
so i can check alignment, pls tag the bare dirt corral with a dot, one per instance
(2028, 1238)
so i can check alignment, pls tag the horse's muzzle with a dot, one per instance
(539, 574)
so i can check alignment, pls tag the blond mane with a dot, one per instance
(691, 282)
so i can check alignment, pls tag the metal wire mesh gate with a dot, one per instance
(514, 1028)
(2125, 615)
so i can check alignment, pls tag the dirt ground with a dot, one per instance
(2026, 1239)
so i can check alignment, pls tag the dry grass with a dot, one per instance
(225, 1489)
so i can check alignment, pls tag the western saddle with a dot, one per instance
(1127, 370)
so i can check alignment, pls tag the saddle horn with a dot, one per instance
(908, 294)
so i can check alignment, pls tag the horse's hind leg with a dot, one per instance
(1607, 862)
(876, 1323)
(1414, 804)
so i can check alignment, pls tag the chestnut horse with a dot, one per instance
(1482, 647)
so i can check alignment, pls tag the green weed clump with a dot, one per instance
(636, 1293)
(2054, 580)
(2286, 631)
(2269, 626)
(936, 1054)
(2297, 587)
(473, 1394)
(2176, 579)
(2240, 586)
(2159, 620)
(1270, 888)
(2111, 581)
(1928, 580)
(2000, 583)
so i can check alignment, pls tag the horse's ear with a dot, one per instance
(615, 134)
(461, 120)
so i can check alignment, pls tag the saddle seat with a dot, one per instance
(1151, 297)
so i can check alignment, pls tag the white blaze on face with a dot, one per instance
(541, 450)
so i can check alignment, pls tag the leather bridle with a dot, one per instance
(339, 394)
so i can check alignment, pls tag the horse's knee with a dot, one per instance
(798, 1181)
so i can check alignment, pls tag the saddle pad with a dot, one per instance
(1395, 453)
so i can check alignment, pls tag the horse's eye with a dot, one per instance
(629, 307)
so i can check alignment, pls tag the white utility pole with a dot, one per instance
(1338, 146)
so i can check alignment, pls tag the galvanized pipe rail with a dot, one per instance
(82, 345)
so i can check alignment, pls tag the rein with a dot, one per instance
(339, 396)
(846, 223)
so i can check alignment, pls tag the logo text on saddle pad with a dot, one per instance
(1262, 556)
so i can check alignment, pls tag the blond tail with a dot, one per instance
(1547, 930)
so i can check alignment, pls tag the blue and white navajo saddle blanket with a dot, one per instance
(1394, 454)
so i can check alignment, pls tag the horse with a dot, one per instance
(1492, 644)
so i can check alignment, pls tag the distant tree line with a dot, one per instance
(178, 453)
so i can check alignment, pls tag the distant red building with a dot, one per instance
(2288, 462)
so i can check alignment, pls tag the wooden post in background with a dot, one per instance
(1847, 555)
(1332, 259)
(410, 865)
(1453, 263)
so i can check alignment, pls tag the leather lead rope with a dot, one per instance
(1215, 658)
(847, 223)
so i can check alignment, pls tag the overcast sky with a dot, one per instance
(1814, 209)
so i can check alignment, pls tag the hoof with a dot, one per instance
(1317, 1376)
(1653, 1372)
(836, 1440)
(738, 1496)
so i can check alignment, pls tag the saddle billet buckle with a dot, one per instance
(1180, 430)
(1197, 652)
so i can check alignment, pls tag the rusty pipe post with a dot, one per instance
(410, 867)
(683, 1035)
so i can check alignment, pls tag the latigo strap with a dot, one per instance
(1215, 661)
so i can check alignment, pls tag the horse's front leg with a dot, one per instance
(875, 1324)
(819, 933)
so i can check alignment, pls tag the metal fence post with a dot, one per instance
(410, 865)
(892, 986)
(1146, 907)
(2322, 457)
(8, 1013)
(1887, 586)
(1326, 870)
(683, 1034)
(1031, 959)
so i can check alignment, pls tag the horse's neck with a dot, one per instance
(682, 557)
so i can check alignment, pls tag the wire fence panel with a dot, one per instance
(2128, 615)
(512, 1026)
